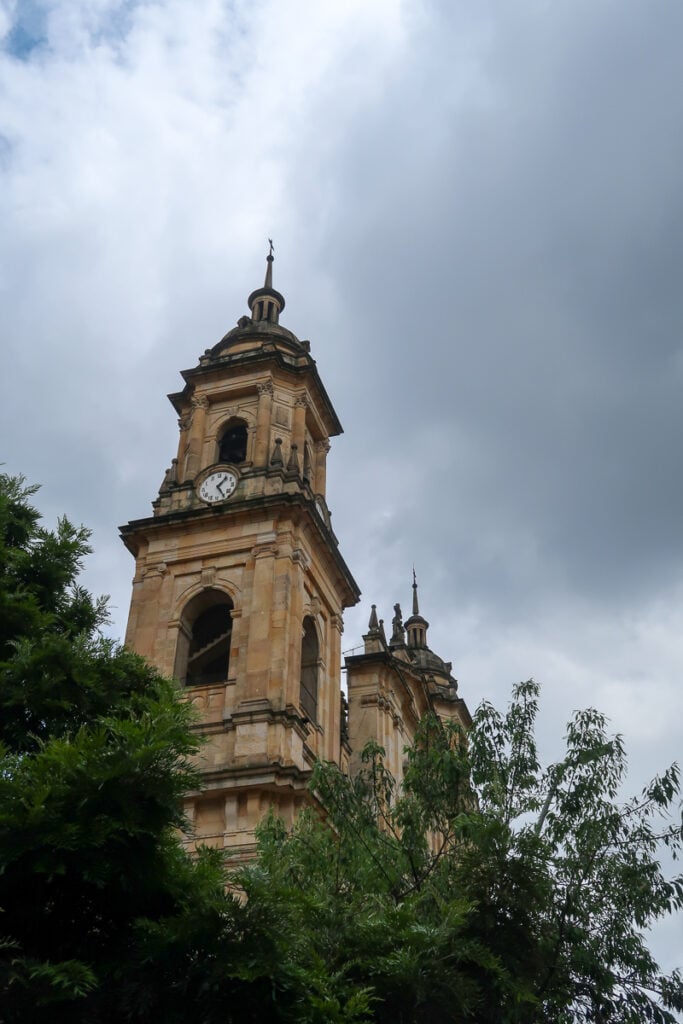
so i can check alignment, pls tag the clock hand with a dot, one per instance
(219, 487)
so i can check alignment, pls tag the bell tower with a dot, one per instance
(239, 586)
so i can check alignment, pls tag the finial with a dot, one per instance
(276, 457)
(416, 609)
(293, 464)
(373, 624)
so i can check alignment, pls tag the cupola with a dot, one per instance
(266, 303)
(416, 626)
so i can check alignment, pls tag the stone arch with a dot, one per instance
(204, 638)
(310, 669)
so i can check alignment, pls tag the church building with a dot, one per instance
(240, 588)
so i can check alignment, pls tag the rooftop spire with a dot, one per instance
(268, 283)
(374, 639)
(416, 625)
(266, 303)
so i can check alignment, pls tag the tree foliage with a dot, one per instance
(95, 755)
(487, 889)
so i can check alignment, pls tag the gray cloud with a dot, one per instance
(478, 216)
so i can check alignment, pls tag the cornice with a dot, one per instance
(132, 530)
(299, 365)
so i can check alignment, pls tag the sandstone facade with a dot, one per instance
(239, 588)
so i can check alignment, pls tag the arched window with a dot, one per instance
(204, 654)
(310, 659)
(233, 443)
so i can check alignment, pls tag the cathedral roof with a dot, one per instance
(258, 331)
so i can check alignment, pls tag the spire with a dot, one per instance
(266, 303)
(373, 639)
(268, 283)
(416, 625)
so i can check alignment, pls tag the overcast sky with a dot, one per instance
(477, 210)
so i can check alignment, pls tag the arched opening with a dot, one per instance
(308, 466)
(310, 660)
(232, 446)
(208, 631)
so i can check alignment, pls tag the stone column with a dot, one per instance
(184, 423)
(147, 628)
(333, 724)
(321, 450)
(196, 439)
(263, 421)
(299, 424)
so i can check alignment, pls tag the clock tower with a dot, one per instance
(239, 585)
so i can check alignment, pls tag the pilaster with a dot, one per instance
(320, 482)
(255, 684)
(200, 405)
(299, 423)
(263, 422)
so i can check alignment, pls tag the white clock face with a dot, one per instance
(218, 486)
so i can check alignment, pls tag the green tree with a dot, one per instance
(487, 889)
(95, 755)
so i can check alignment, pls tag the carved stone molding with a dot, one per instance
(200, 402)
(265, 388)
(322, 446)
(159, 569)
(300, 557)
(267, 550)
